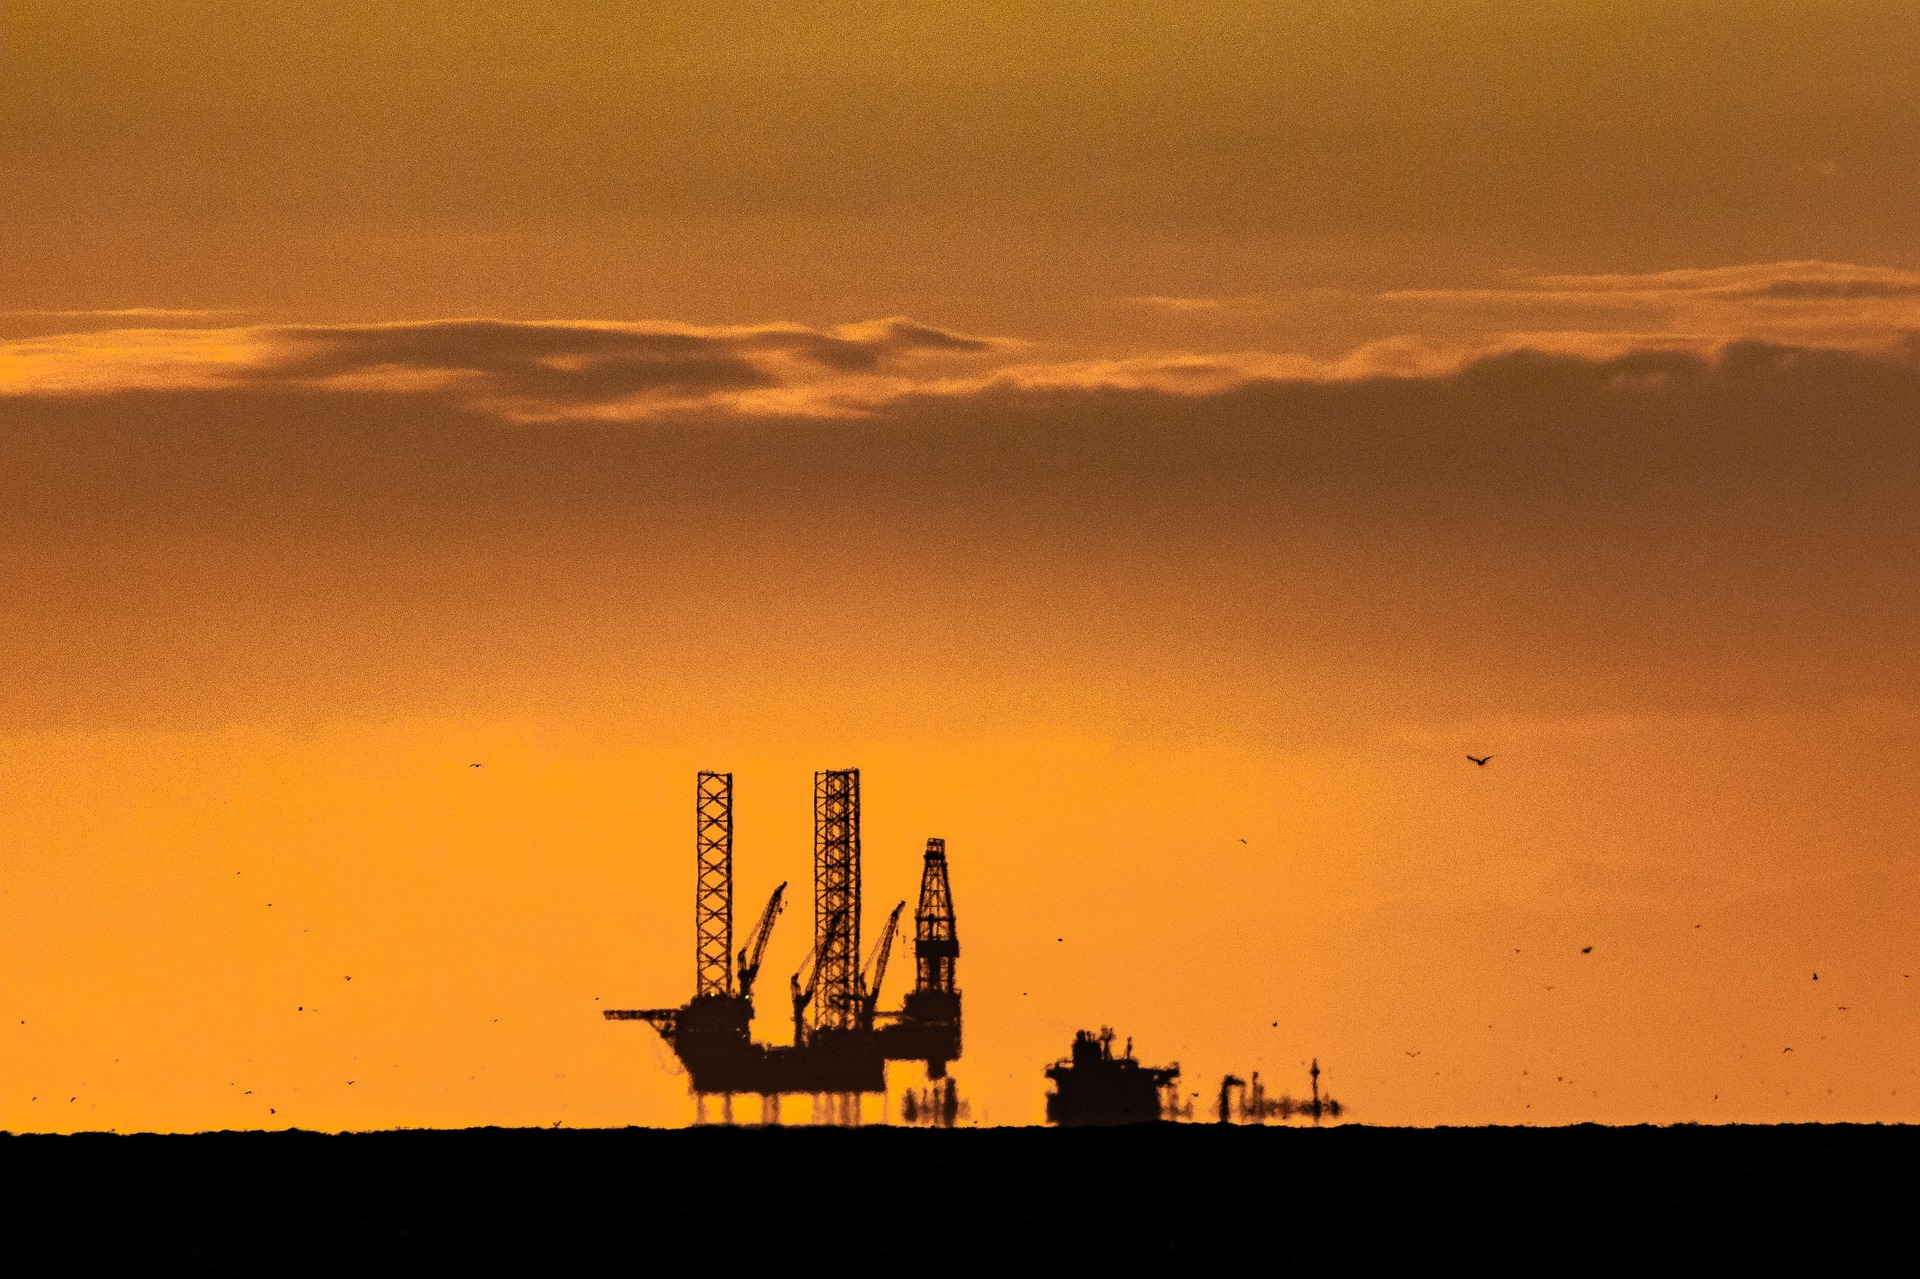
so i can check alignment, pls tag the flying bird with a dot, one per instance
(1414, 1054)
(1243, 841)
(473, 765)
(1480, 759)
(1586, 950)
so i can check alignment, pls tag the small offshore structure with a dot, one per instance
(1247, 1102)
(1093, 1086)
(842, 1039)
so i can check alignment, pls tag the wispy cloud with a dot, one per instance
(1812, 302)
(127, 313)
(1164, 303)
(1200, 305)
(522, 370)
(548, 371)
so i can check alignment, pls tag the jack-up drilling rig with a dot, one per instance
(841, 1039)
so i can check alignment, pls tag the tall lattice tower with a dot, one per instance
(836, 897)
(936, 944)
(713, 891)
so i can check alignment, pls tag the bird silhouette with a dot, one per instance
(1586, 950)
(473, 765)
(1243, 841)
(1480, 759)
(1415, 1054)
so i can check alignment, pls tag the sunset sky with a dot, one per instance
(1155, 442)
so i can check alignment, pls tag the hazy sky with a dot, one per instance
(1122, 430)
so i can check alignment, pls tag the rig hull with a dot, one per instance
(712, 1038)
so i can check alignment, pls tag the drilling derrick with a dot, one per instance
(929, 1025)
(936, 945)
(713, 890)
(836, 899)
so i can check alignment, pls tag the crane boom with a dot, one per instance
(756, 947)
(803, 995)
(877, 968)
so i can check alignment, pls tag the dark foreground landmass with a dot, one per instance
(919, 1201)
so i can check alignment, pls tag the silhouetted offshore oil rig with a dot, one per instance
(841, 1040)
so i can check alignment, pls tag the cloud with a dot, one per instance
(1595, 528)
(1747, 280)
(1181, 305)
(1216, 307)
(1810, 303)
(128, 313)
(515, 369)
(549, 371)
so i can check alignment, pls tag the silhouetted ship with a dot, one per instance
(1092, 1086)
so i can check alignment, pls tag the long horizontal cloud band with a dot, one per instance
(1677, 526)
(1795, 445)
(1627, 328)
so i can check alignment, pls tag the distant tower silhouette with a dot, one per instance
(836, 897)
(932, 1007)
(936, 943)
(713, 893)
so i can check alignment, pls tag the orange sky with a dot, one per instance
(1119, 430)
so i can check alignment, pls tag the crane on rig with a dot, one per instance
(802, 991)
(876, 971)
(755, 950)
